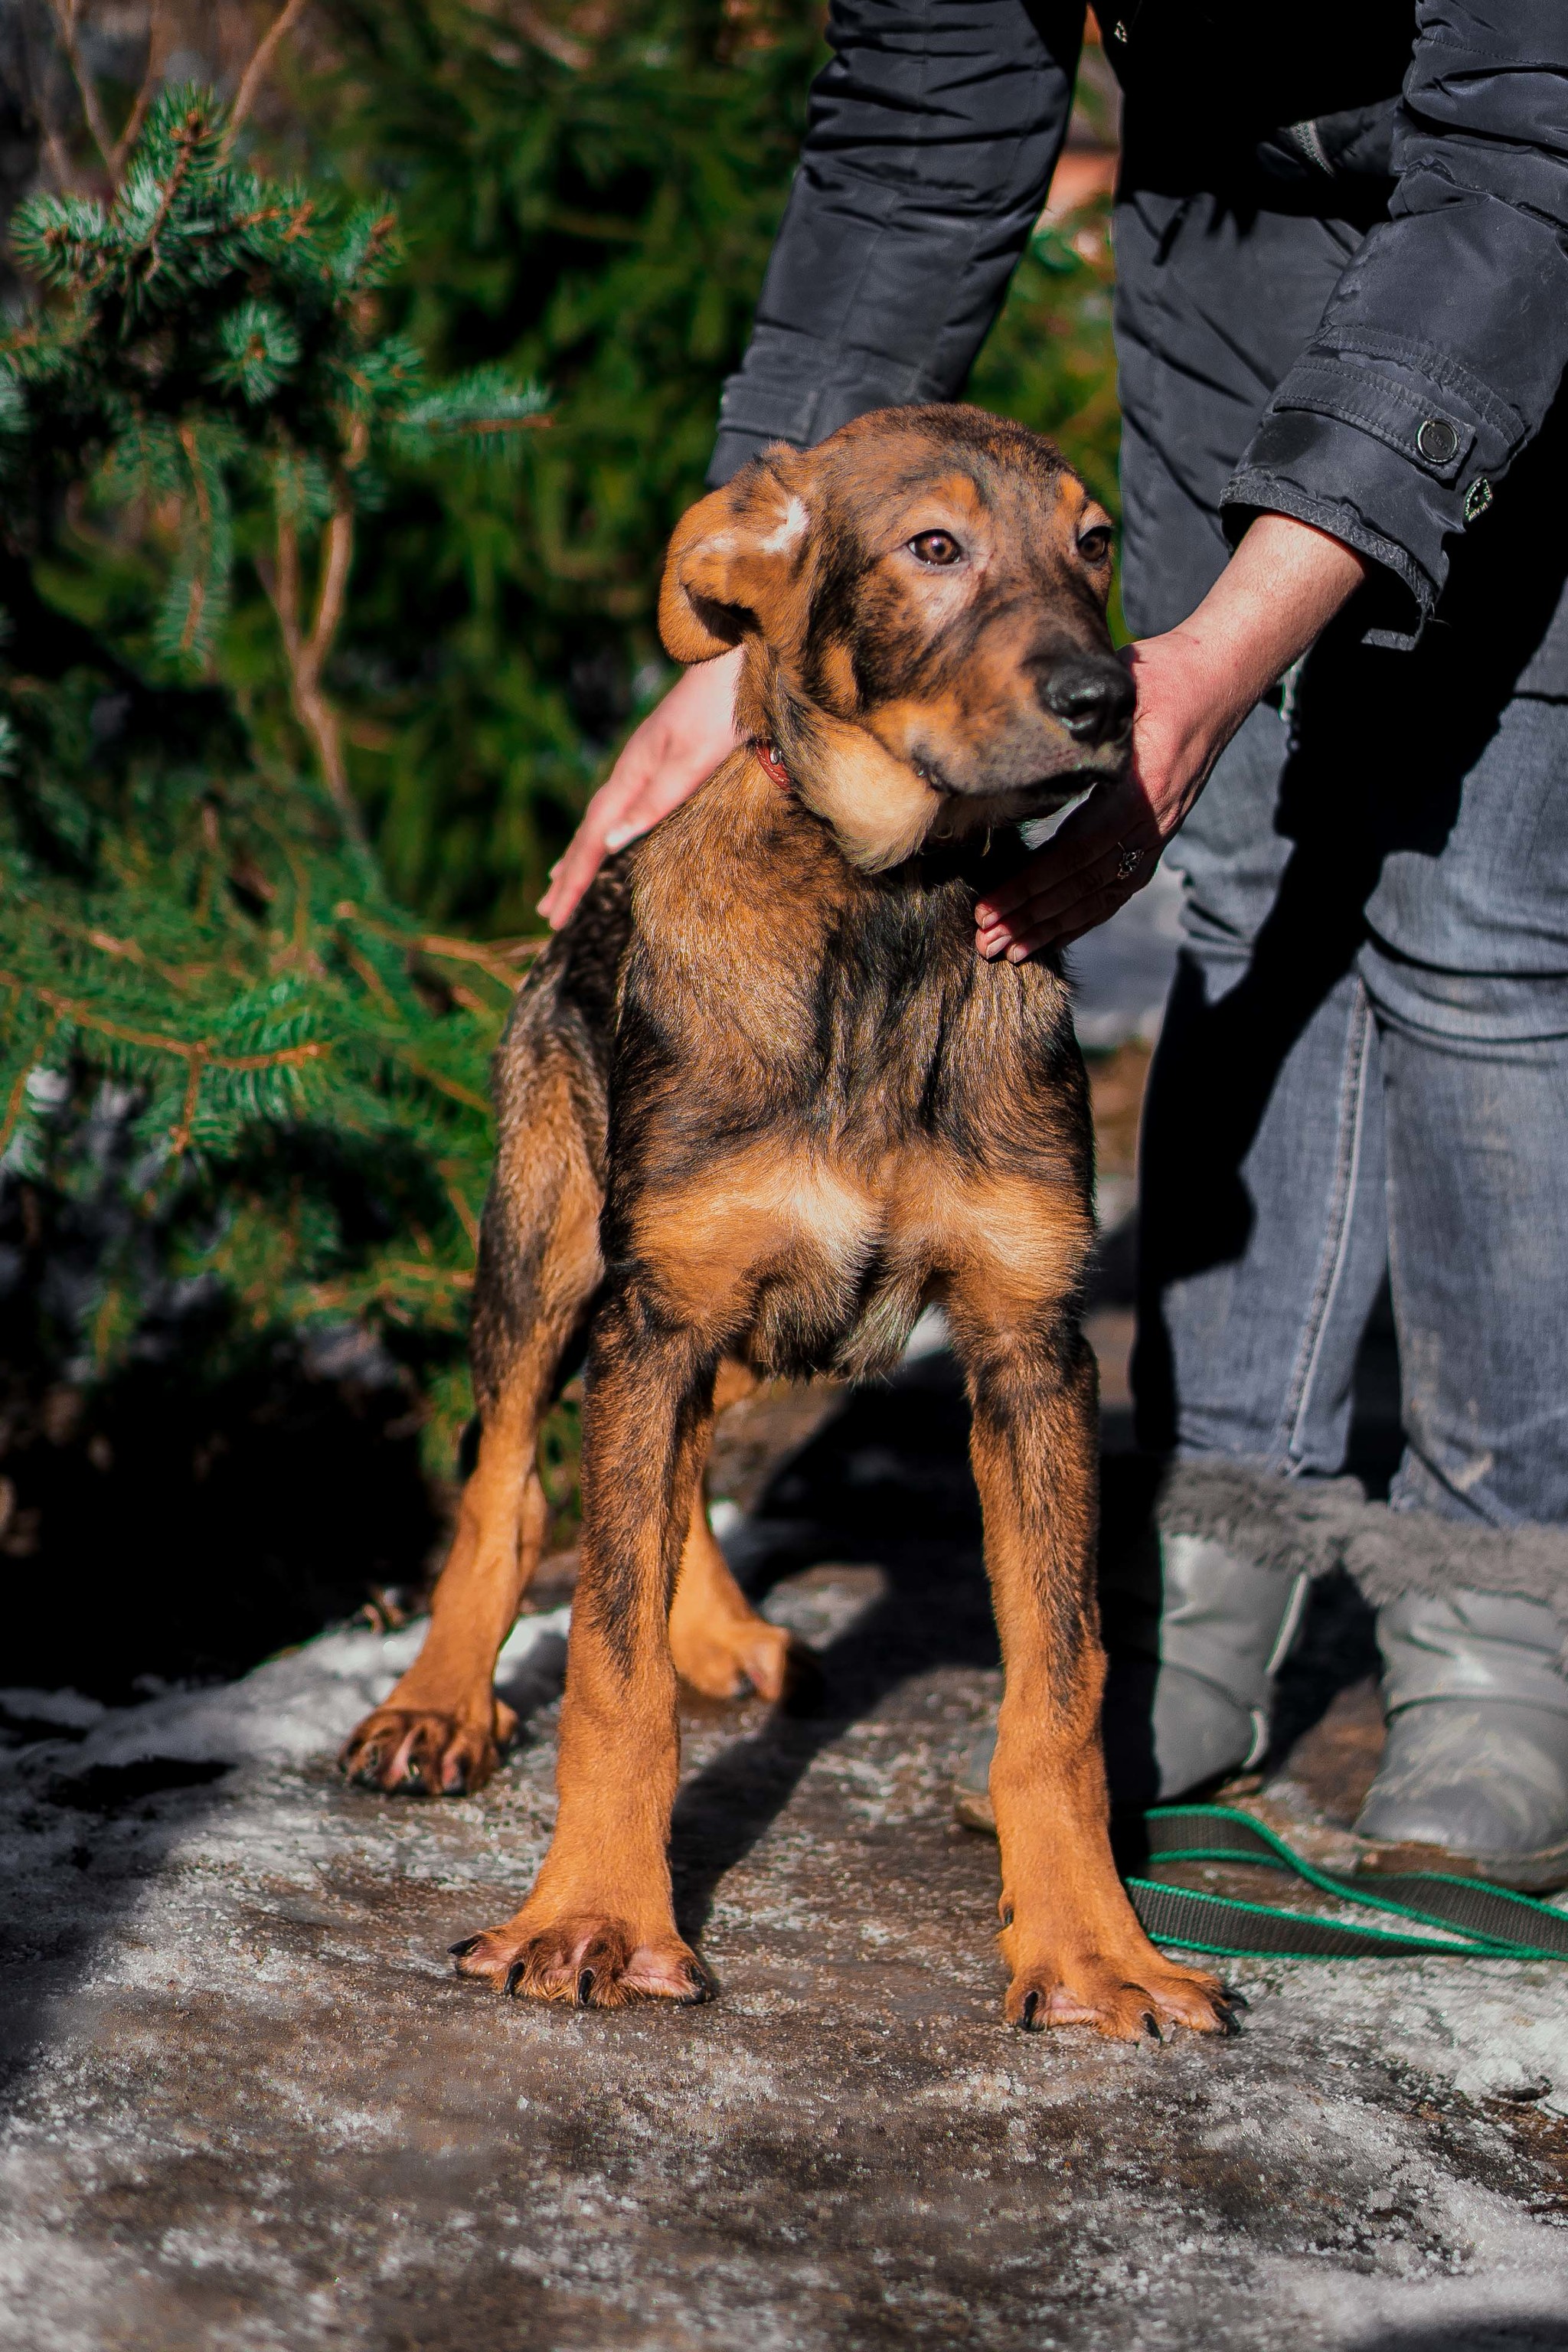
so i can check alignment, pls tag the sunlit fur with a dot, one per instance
(760, 1103)
(905, 702)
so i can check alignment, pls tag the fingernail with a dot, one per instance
(618, 836)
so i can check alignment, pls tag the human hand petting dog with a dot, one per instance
(1195, 685)
(675, 749)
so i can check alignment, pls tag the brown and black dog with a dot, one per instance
(759, 1103)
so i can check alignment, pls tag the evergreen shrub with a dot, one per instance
(189, 913)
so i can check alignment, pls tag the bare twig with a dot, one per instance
(307, 656)
(256, 72)
(65, 14)
(556, 43)
(198, 595)
(160, 31)
(336, 557)
(60, 165)
(459, 1200)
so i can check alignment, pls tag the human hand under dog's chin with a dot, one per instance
(1195, 685)
(1109, 847)
(675, 749)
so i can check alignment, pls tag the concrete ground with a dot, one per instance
(249, 2105)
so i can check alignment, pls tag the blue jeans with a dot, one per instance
(1364, 1070)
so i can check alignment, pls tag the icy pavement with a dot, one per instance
(249, 2106)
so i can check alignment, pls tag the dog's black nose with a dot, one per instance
(1093, 699)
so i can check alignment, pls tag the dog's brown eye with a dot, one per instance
(1094, 545)
(935, 546)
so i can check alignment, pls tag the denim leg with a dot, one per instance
(1477, 1200)
(1263, 1237)
(1467, 971)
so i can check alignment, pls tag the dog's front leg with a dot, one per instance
(598, 1927)
(1074, 1948)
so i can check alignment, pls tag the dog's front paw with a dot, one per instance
(588, 1959)
(426, 1752)
(1091, 1989)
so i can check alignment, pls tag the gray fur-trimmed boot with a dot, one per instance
(1474, 1778)
(1193, 1652)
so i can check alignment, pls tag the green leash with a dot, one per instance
(1481, 1922)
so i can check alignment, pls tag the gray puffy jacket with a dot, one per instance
(1342, 276)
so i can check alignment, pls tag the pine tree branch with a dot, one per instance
(19, 1094)
(453, 1087)
(494, 958)
(83, 1017)
(256, 72)
(448, 1172)
(173, 975)
(173, 190)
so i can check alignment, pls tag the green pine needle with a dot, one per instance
(203, 383)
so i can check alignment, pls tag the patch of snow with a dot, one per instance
(301, 1704)
(929, 1336)
(68, 1708)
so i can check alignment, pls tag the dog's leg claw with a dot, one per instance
(587, 1960)
(427, 1751)
(703, 1986)
(1090, 1990)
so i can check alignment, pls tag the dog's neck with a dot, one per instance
(882, 813)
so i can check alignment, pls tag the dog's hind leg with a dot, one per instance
(719, 1643)
(441, 1729)
(599, 1927)
(1073, 1945)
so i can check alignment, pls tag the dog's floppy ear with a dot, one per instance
(736, 566)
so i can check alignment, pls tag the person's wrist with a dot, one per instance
(1193, 693)
(1285, 582)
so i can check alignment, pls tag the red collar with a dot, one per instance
(771, 764)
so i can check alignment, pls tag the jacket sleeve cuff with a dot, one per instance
(1391, 452)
